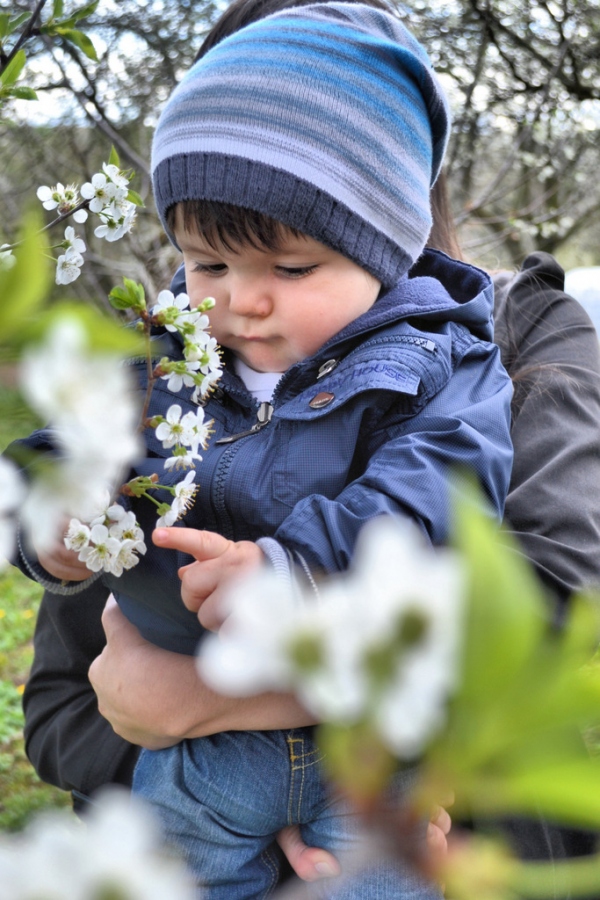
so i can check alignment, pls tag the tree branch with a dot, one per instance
(25, 34)
(487, 192)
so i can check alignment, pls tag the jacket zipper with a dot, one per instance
(263, 417)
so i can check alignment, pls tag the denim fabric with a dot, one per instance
(222, 799)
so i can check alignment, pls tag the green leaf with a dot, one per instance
(356, 759)
(130, 296)
(566, 792)
(105, 334)
(25, 286)
(506, 605)
(134, 197)
(582, 635)
(13, 69)
(80, 40)
(22, 93)
(113, 159)
(85, 11)
(524, 691)
(57, 9)
(17, 21)
(9, 24)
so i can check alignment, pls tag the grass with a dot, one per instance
(21, 792)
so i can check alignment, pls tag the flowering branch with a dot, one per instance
(99, 540)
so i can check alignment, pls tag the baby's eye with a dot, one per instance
(215, 269)
(295, 271)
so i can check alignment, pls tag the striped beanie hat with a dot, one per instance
(327, 118)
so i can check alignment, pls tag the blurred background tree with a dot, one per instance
(524, 81)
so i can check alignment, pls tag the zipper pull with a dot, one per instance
(263, 417)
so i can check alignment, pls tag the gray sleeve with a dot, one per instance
(551, 351)
(32, 569)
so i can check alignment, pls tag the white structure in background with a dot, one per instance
(584, 284)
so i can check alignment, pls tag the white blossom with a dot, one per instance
(167, 519)
(12, 491)
(127, 556)
(100, 192)
(208, 383)
(59, 197)
(116, 176)
(189, 431)
(185, 460)
(175, 310)
(112, 542)
(381, 645)
(125, 527)
(185, 491)
(196, 431)
(80, 215)
(171, 431)
(182, 375)
(195, 330)
(206, 352)
(117, 853)
(102, 551)
(117, 220)
(68, 268)
(78, 535)
(93, 409)
(7, 258)
(75, 246)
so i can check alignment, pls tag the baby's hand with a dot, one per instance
(62, 563)
(218, 560)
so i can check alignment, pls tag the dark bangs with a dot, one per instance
(233, 227)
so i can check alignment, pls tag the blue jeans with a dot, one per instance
(223, 798)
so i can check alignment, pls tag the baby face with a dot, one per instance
(275, 308)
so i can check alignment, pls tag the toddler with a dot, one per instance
(292, 168)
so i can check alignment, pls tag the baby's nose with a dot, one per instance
(250, 298)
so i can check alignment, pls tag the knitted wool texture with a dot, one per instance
(327, 118)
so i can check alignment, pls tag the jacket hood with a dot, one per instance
(437, 289)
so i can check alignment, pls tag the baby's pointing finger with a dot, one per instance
(202, 545)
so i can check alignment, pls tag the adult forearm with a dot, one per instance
(155, 698)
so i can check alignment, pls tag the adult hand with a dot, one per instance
(155, 698)
(313, 863)
(62, 563)
(218, 561)
(309, 863)
(148, 695)
(437, 834)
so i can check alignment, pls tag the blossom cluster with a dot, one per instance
(111, 542)
(107, 196)
(184, 493)
(91, 403)
(118, 853)
(201, 364)
(380, 646)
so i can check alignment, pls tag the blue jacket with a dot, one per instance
(370, 425)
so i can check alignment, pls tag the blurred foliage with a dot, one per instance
(524, 81)
(21, 792)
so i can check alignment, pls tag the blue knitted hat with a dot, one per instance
(327, 118)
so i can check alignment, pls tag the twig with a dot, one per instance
(25, 34)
